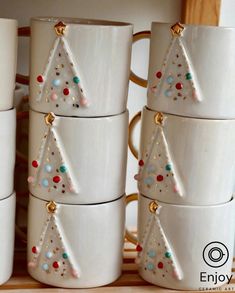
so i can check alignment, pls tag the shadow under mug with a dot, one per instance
(184, 160)
(184, 247)
(75, 246)
(100, 54)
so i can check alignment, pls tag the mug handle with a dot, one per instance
(130, 236)
(132, 126)
(23, 32)
(133, 77)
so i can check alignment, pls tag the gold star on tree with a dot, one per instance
(51, 207)
(60, 28)
(177, 29)
(49, 118)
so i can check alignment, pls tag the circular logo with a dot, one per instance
(215, 254)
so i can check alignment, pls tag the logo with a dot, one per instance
(215, 254)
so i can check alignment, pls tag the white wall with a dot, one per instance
(138, 12)
(227, 17)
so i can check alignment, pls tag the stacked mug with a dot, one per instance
(8, 56)
(77, 150)
(186, 175)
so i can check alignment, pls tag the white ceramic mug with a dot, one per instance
(186, 160)
(7, 153)
(7, 232)
(8, 61)
(192, 70)
(184, 247)
(75, 246)
(78, 160)
(79, 67)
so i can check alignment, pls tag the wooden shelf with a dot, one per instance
(129, 282)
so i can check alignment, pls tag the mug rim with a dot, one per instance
(194, 207)
(126, 112)
(147, 109)
(13, 20)
(81, 21)
(79, 204)
(212, 27)
(2, 200)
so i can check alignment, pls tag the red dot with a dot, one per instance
(56, 179)
(159, 177)
(34, 249)
(160, 265)
(55, 265)
(159, 74)
(141, 163)
(35, 164)
(138, 248)
(66, 91)
(179, 86)
(40, 78)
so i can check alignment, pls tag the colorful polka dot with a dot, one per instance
(188, 76)
(45, 267)
(150, 266)
(57, 179)
(159, 74)
(149, 180)
(168, 167)
(45, 182)
(170, 79)
(56, 82)
(179, 86)
(35, 164)
(49, 254)
(55, 265)
(66, 91)
(65, 255)
(160, 178)
(160, 265)
(168, 93)
(48, 168)
(76, 80)
(40, 78)
(141, 163)
(167, 254)
(151, 253)
(63, 169)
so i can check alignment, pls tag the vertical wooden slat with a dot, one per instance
(205, 12)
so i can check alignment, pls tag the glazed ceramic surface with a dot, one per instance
(78, 246)
(186, 160)
(8, 59)
(180, 246)
(7, 232)
(78, 160)
(76, 68)
(192, 73)
(7, 154)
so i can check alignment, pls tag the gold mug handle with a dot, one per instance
(133, 77)
(130, 236)
(23, 32)
(132, 126)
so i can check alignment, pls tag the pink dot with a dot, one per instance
(84, 102)
(54, 96)
(137, 177)
(30, 179)
(31, 264)
(175, 189)
(75, 274)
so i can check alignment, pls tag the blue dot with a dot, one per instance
(168, 254)
(45, 267)
(65, 255)
(151, 169)
(49, 254)
(169, 79)
(149, 181)
(152, 253)
(150, 266)
(168, 93)
(45, 182)
(56, 82)
(48, 168)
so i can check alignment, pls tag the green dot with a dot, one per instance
(168, 167)
(188, 76)
(63, 169)
(168, 254)
(76, 80)
(65, 255)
